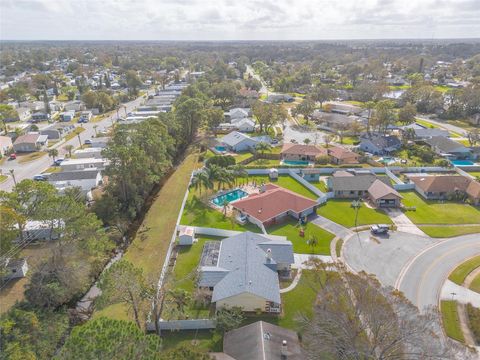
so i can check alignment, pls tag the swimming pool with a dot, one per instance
(230, 196)
(295, 162)
(462, 162)
(220, 148)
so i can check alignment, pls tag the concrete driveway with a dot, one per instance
(403, 223)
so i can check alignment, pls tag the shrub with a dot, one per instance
(222, 161)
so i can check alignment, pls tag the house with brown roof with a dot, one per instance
(340, 155)
(383, 195)
(273, 206)
(473, 192)
(30, 142)
(442, 187)
(299, 152)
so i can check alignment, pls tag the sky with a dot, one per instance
(238, 20)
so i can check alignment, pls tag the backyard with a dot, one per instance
(342, 212)
(435, 212)
(291, 230)
(285, 181)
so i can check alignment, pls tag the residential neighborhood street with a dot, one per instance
(29, 169)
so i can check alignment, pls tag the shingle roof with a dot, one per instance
(27, 138)
(73, 175)
(298, 149)
(441, 183)
(353, 183)
(273, 202)
(473, 189)
(445, 144)
(235, 138)
(379, 190)
(243, 267)
(260, 341)
(383, 142)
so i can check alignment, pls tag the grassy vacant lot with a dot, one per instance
(475, 285)
(449, 231)
(285, 181)
(30, 157)
(451, 323)
(196, 213)
(150, 245)
(461, 272)
(434, 212)
(342, 212)
(291, 230)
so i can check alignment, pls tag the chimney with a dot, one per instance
(284, 349)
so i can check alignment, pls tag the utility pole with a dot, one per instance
(12, 172)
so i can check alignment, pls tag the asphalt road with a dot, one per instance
(445, 125)
(28, 170)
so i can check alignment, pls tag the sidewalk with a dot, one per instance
(452, 291)
(337, 229)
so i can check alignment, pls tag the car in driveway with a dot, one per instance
(40, 177)
(379, 229)
(12, 156)
(88, 142)
(58, 161)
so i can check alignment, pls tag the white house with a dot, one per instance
(236, 141)
(36, 230)
(80, 164)
(15, 268)
(244, 124)
(86, 180)
(92, 152)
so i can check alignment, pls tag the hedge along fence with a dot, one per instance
(257, 156)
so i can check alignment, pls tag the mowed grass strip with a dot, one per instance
(451, 322)
(461, 272)
(149, 248)
(449, 231)
(342, 212)
(475, 284)
(435, 212)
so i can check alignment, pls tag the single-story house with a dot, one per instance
(30, 142)
(57, 131)
(40, 116)
(39, 230)
(237, 141)
(442, 187)
(334, 121)
(301, 152)
(75, 105)
(238, 113)
(24, 114)
(278, 98)
(243, 271)
(352, 185)
(100, 142)
(379, 144)
(67, 115)
(15, 268)
(447, 147)
(340, 155)
(91, 152)
(186, 235)
(5, 145)
(344, 108)
(86, 180)
(85, 116)
(383, 195)
(261, 340)
(274, 205)
(80, 164)
(244, 124)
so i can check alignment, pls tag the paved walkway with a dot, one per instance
(294, 283)
(403, 223)
(462, 294)
(301, 259)
(337, 229)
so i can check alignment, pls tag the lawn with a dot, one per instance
(203, 340)
(30, 157)
(242, 156)
(196, 213)
(291, 230)
(350, 140)
(285, 181)
(52, 169)
(151, 242)
(342, 212)
(338, 247)
(264, 162)
(3, 178)
(475, 285)
(78, 130)
(425, 123)
(451, 323)
(320, 185)
(461, 272)
(434, 212)
(449, 231)
(475, 173)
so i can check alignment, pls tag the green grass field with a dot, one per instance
(434, 212)
(341, 212)
(475, 285)
(449, 231)
(3, 178)
(451, 323)
(291, 230)
(461, 272)
(264, 162)
(285, 181)
(320, 185)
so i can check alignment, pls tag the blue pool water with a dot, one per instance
(231, 196)
(220, 148)
(462, 162)
(295, 162)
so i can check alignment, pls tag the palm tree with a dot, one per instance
(262, 147)
(312, 242)
(306, 141)
(95, 129)
(225, 207)
(180, 298)
(12, 172)
(53, 153)
(238, 170)
(69, 148)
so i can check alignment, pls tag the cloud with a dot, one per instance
(248, 19)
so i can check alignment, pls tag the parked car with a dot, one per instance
(379, 229)
(275, 141)
(88, 142)
(57, 162)
(39, 178)
(12, 156)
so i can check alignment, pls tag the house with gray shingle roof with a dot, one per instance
(243, 271)
(379, 144)
(236, 141)
(446, 147)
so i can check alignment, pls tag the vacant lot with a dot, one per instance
(342, 212)
(435, 212)
(291, 230)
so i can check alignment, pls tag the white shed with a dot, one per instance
(273, 174)
(186, 236)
